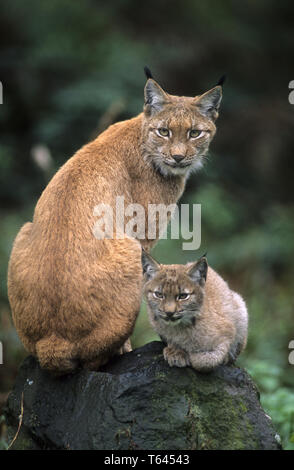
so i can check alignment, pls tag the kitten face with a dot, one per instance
(177, 130)
(174, 293)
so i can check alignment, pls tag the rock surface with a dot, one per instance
(138, 402)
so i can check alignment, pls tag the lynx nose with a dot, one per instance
(178, 158)
(169, 314)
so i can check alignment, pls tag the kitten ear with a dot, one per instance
(209, 103)
(149, 265)
(198, 271)
(155, 97)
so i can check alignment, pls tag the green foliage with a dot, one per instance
(277, 400)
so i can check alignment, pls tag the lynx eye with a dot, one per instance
(158, 295)
(195, 134)
(163, 132)
(183, 296)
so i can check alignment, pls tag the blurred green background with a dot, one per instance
(69, 69)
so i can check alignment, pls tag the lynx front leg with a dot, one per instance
(208, 360)
(176, 357)
(126, 347)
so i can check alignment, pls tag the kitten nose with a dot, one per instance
(178, 158)
(170, 310)
(169, 314)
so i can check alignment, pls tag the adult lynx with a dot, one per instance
(74, 298)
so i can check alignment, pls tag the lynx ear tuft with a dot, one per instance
(198, 271)
(149, 265)
(221, 80)
(155, 97)
(147, 72)
(209, 103)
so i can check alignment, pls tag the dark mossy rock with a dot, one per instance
(138, 402)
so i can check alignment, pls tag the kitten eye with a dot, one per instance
(183, 296)
(158, 295)
(163, 132)
(195, 134)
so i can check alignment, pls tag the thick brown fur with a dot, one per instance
(204, 330)
(74, 298)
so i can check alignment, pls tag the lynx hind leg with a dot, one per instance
(56, 355)
(96, 363)
(242, 322)
(98, 347)
(102, 359)
(176, 357)
(121, 276)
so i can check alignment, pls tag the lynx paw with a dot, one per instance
(176, 357)
(126, 347)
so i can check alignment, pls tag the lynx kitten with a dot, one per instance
(203, 322)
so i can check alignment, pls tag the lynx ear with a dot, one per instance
(209, 103)
(198, 271)
(155, 97)
(150, 266)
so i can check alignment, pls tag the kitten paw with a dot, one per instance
(176, 357)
